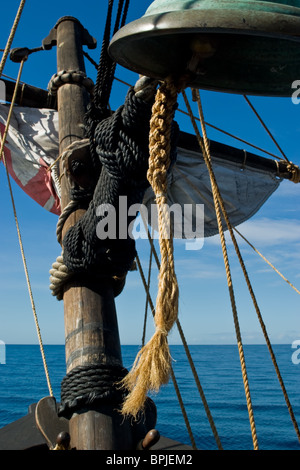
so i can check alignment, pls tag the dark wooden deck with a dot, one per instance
(23, 434)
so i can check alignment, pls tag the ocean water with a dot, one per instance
(22, 382)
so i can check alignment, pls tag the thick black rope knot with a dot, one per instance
(121, 142)
(90, 386)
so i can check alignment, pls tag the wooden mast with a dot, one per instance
(91, 328)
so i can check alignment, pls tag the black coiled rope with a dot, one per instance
(122, 148)
(91, 385)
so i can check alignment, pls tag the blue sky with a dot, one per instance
(205, 311)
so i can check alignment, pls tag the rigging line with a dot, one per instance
(265, 127)
(247, 241)
(12, 78)
(186, 348)
(267, 261)
(289, 406)
(233, 136)
(215, 127)
(106, 66)
(187, 114)
(11, 36)
(179, 397)
(2, 155)
(206, 123)
(121, 19)
(203, 142)
(147, 298)
(104, 61)
(259, 315)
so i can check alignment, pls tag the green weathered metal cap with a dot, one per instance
(245, 47)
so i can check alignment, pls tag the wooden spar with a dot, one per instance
(34, 97)
(91, 328)
(28, 95)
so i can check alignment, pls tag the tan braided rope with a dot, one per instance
(176, 387)
(152, 365)
(204, 144)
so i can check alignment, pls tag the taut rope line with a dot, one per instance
(219, 203)
(183, 339)
(266, 260)
(179, 397)
(265, 127)
(11, 36)
(2, 156)
(230, 228)
(18, 230)
(260, 319)
(147, 287)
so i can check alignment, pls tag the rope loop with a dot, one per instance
(295, 172)
(69, 76)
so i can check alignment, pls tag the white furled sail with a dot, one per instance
(32, 146)
(244, 189)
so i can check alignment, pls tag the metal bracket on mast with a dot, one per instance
(85, 38)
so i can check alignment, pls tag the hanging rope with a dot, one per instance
(179, 397)
(106, 67)
(151, 368)
(2, 156)
(184, 342)
(219, 203)
(11, 36)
